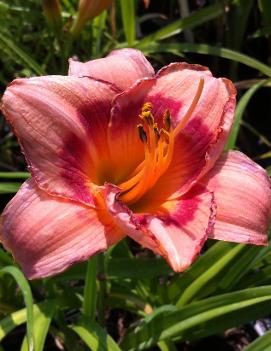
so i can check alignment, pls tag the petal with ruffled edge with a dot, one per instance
(242, 191)
(177, 230)
(200, 142)
(46, 234)
(121, 68)
(61, 123)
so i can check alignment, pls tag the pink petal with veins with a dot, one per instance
(61, 123)
(47, 234)
(121, 68)
(177, 230)
(242, 191)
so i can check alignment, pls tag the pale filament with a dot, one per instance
(159, 147)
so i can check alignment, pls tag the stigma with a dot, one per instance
(158, 148)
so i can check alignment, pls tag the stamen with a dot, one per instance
(156, 132)
(159, 148)
(142, 133)
(167, 120)
(147, 117)
(165, 135)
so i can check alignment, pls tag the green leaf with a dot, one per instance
(11, 321)
(262, 138)
(256, 277)
(14, 175)
(90, 290)
(43, 309)
(265, 9)
(198, 18)
(9, 188)
(128, 20)
(27, 294)
(237, 21)
(122, 268)
(43, 315)
(98, 28)
(201, 319)
(265, 155)
(262, 343)
(202, 264)
(122, 297)
(199, 285)
(240, 267)
(167, 346)
(94, 336)
(17, 54)
(136, 268)
(5, 258)
(266, 31)
(241, 106)
(206, 49)
(9, 7)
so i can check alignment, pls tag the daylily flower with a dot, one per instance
(116, 150)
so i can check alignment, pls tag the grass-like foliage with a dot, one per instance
(127, 299)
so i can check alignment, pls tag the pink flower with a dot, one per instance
(116, 150)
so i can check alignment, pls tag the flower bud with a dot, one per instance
(87, 10)
(52, 13)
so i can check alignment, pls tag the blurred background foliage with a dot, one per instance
(133, 301)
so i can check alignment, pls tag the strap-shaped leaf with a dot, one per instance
(241, 106)
(128, 20)
(27, 294)
(43, 315)
(181, 282)
(200, 319)
(95, 336)
(262, 343)
(206, 49)
(14, 175)
(8, 188)
(196, 19)
(18, 54)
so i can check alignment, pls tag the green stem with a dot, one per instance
(90, 290)
(102, 289)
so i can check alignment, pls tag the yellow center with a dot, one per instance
(159, 147)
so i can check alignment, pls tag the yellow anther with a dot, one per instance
(146, 107)
(145, 114)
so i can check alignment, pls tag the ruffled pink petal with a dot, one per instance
(61, 123)
(242, 191)
(177, 230)
(121, 68)
(202, 139)
(46, 234)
